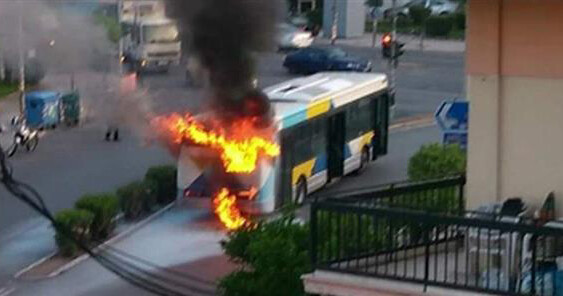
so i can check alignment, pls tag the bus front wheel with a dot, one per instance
(300, 191)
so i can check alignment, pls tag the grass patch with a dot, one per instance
(457, 34)
(7, 88)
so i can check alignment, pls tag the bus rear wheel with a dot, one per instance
(364, 160)
(300, 192)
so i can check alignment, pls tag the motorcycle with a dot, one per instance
(24, 136)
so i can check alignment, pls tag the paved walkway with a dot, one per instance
(184, 239)
(411, 43)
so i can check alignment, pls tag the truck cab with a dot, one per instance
(152, 43)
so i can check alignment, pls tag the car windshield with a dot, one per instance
(336, 53)
(160, 33)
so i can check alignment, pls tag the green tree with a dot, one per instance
(272, 255)
(112, 26)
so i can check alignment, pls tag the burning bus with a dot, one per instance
(325, 126)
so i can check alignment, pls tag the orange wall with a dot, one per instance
(482, 37)
(531, 38)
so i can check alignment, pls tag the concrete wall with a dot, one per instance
(351, 18)
(515, 86)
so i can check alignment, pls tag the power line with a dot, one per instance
(128, 271)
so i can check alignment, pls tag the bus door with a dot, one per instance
(380, 118)
(336, 141)
(284, 173)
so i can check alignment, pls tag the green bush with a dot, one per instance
(135, 198)
(439, 26)
(104, 207)
(459, 20)
(419, 14)
(78, 223)
(274, 256)
(162, 180)
(434, 161)
(7, 88)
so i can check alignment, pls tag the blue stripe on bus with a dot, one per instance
(294, 119)
(347, 151)
(320, 164)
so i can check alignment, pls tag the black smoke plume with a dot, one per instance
(223, 35)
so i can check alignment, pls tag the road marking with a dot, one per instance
(413, 122)
(7, 291)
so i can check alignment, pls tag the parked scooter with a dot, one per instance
(24, 136)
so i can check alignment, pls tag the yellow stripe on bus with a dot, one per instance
(304, 169)
(318, 108)
(366, 139)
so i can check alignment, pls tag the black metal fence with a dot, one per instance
(441, 246)
(438, 196)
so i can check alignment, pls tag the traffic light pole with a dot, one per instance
(393, 60)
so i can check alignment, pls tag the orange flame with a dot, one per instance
(226, 210)
(238, 156)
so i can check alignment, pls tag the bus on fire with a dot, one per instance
(328, 125)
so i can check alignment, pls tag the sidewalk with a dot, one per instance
(411, 43)
(184, 239)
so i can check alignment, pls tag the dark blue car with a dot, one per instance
(314, 59)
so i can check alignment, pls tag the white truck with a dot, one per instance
(151, 41)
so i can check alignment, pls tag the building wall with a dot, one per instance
(351, 18)
(515, 86)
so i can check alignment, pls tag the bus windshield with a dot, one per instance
(160, 33)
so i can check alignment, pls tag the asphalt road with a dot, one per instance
(188, 241)
(69, 163)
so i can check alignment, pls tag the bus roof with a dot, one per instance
(300, 99)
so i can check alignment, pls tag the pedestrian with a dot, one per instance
(112, 133)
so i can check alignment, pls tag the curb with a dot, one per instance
(83, 257)
(7, 291)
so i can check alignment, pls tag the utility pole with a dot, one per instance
(21, 59)
(334, 31)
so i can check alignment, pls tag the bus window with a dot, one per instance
(359, 120)
(302, 151)
(318, 140)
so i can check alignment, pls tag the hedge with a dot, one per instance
(104, 207)
(78, 222)
(439, 26)
(419, 14)
(135, 199)
(435, 161)
(162, 180)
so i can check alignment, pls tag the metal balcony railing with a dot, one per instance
(419, 233)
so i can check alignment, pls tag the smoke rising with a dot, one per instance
(223, 35)
(66, 41)
(62, 41)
